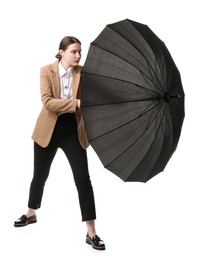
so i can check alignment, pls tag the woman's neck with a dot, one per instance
(65, 65)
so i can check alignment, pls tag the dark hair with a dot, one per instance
(65, 42)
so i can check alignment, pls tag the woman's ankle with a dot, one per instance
(91, 228)
(30, 213)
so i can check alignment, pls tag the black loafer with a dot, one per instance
(24, 221)
(95, 242)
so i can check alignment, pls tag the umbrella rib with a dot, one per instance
(141, 72)
(136, 139)
(141, 114)
(140, 51)
(137, 85)
(164, 110)
(144, 112)
(167, 120)
(108, 77)
(121, 102)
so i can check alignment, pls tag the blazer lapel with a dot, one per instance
(75, 83)
(55, 80)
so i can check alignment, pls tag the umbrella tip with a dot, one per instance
(167, 97)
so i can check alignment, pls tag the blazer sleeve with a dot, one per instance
(50, 102)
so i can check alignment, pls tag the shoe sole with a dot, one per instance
(23, 225)
(91, 244)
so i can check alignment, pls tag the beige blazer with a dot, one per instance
(52, 105)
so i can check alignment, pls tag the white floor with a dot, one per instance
(158, 220)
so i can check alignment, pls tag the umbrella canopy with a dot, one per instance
(132, 100)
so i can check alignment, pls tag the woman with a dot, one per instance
(60, 125)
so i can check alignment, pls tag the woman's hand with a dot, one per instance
(79, 103)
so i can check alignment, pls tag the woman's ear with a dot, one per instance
(61, 52)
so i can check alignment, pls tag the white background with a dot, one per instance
(157, 220)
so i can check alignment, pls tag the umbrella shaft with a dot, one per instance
(167, 97)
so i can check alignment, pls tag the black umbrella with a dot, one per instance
(132, 100)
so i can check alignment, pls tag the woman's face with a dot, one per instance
(71, 56)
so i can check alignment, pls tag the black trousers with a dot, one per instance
(64, 137)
